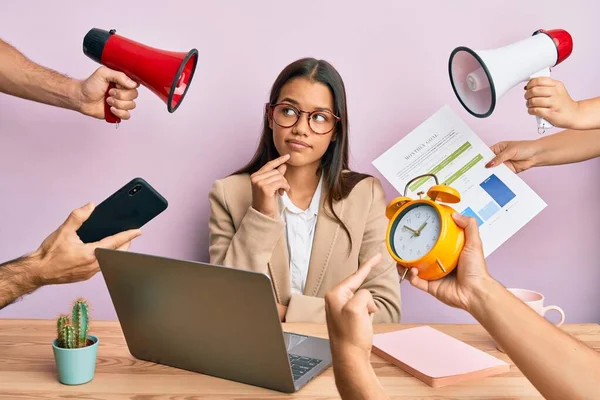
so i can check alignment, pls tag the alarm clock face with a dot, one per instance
(415, 231)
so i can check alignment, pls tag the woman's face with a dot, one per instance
(304, 146)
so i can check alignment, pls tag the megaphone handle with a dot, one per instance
(108, 115)
(541, 122)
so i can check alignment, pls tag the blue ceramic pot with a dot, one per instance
(76, 366)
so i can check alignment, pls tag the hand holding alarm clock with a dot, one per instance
(421, 232)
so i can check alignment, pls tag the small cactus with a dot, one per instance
(72, 334)
(80, 318)
(69, 337)
(62, 321)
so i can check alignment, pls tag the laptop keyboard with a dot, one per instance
(301, 365)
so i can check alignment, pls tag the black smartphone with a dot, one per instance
(131, 207)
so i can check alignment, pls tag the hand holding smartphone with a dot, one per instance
(130, 207)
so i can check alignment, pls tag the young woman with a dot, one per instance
(296, 211)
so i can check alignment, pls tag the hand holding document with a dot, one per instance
(445, 146)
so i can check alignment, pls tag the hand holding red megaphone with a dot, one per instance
(167, 74)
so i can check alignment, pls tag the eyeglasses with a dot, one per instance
(286, 115)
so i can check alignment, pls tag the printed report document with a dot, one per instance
(500, 201)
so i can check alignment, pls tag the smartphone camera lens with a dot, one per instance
(135, 189)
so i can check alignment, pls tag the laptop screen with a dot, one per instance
(292, 340)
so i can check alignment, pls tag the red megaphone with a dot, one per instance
(167, 74)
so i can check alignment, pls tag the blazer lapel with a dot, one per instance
(326, 234)
(279, 268)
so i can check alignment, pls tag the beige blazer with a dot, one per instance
(241, 237)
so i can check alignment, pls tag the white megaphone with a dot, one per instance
(480, 78)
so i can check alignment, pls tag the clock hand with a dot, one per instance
(421, 228)
(412, 230)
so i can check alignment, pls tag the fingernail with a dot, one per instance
(131, 83)
(491, 163)
(112, 92)
(110, 101)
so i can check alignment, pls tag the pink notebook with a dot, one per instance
(435, 357)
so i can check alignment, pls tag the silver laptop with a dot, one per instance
(209, 319)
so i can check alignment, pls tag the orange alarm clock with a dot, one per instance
(422, 233)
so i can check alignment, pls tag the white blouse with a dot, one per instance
(300, 228)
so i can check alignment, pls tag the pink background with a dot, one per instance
(393, 58)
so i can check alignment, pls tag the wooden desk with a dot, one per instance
(27, 369)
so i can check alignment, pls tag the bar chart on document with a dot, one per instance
(500, 201)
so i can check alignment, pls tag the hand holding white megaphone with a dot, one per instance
(542, 123)
(550, 102)
(480, 78)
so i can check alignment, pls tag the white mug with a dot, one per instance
(535, 300)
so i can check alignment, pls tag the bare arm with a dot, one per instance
(589, 113)
(18, 278)
(61, 258)
(558, 365)
(355, 378)
(23, 78)
(349, 312)
(569, 146)
(549, 99)
(565, 147)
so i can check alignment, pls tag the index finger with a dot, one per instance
(540, 81)
(274, 163)
(354, 281)
(343, 291)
